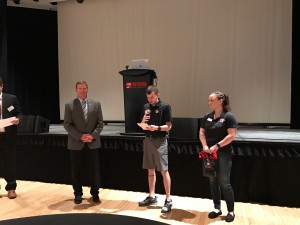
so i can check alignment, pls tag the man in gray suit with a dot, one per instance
(84, 122)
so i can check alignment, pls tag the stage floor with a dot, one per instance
(247, 133)
(45, 199)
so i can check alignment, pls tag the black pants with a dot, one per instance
(8, 160)
(85, 167)
(222, 182)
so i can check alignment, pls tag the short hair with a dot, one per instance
(81, 82)
(151, 89)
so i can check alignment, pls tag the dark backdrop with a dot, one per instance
(3, 40)
(295, 108)
(264, 172)
(32, 61)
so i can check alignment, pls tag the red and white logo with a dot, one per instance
(140, 84)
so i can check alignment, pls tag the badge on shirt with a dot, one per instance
(222, 120)
(156, 111)
(10, 108)
(209, 119)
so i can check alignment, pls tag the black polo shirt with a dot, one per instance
(160, 114)
(216, 129)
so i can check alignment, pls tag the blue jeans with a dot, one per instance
(222, 181)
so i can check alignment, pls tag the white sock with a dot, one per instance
(217, 210)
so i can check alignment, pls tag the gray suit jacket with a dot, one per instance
(76, 126)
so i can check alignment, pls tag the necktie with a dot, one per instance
(84, 109)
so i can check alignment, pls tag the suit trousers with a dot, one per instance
(85, 170)
(8, 160)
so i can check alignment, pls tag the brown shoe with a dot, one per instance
(11, 194)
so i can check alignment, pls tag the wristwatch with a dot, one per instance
(159, 128)
(218, 145)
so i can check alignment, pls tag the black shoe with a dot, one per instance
(167, 206)
(148, 201)
(96, 199)
(229, 217)
(214, 214)
(78, 199)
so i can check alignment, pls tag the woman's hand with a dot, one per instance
(206, 149)
(210, 150)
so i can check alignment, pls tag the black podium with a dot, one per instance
(135, 83)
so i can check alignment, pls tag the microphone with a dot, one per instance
(147, 112)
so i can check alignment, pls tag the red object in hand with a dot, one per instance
(204, 155)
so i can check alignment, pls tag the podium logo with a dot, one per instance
(136, 85)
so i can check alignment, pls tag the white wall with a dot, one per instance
(240, 47)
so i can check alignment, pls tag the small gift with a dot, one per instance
(209, 163)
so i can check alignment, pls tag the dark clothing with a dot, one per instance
(82, 153)
(81, 160)
(160, 114)
(8, 155)
(222, 182)
(76, 125)
(10, 108)
(155, 144)
(215, 131)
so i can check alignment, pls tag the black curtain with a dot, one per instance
(295, 81)
(261, 172)
(32, 61)
(3, 41)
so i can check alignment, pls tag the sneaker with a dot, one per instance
(214, 214)
(167, 206)
(229, 217)
(148, 201)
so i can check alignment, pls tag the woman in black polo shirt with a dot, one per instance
(218, 130)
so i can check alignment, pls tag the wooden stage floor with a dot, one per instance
(36, 198)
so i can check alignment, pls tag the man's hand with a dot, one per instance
(146, 118)
(153, 128)
(16, 121)
(87, 138)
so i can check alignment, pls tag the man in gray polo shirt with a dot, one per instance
(158, 116)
